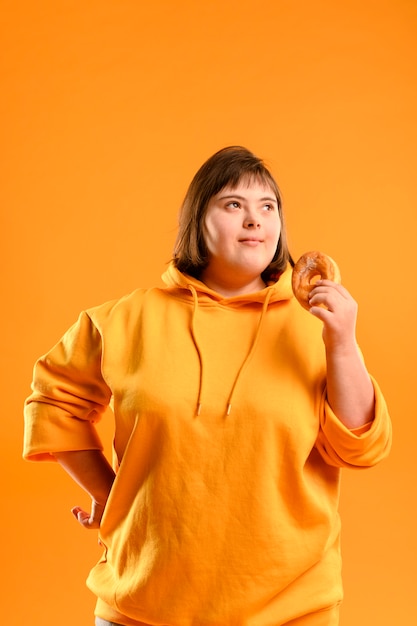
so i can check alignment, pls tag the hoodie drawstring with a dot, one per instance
(197, 347)
(250, 353)
(246, 360)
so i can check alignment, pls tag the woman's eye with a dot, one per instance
(269, 207)
(233, 205)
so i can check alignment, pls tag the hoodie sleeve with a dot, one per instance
(68, 395)
(359, 448)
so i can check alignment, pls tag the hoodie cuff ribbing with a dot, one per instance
(361, 447)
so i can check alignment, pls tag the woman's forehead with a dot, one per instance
(249, 181)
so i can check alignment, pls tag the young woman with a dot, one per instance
(235, 410)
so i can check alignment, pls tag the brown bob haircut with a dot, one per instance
(227, 167)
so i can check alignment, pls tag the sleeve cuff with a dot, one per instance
(360, 447)
(59, 433)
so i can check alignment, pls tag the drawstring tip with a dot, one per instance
(229, 409)
(198, 409)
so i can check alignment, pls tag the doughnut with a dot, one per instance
(310, 267)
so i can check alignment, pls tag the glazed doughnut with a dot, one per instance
(310, 267)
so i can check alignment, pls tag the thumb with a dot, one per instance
(82, 516)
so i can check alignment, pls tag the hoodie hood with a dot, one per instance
(279, 291)
(275, 292)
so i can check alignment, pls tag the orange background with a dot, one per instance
(107, 110)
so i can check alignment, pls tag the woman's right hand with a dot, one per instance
(91, 470)
(92, 520)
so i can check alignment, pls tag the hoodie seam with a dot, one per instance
(224, 303)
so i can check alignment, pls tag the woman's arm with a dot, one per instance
(350, 392)
(91, 470)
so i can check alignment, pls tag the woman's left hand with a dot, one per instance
(334, 306)
(350, 392)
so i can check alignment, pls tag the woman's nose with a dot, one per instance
(251, 221)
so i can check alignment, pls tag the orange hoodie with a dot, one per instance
(224, 507)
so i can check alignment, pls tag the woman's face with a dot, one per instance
(242, 229)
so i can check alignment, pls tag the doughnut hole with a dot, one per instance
(314, 279)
